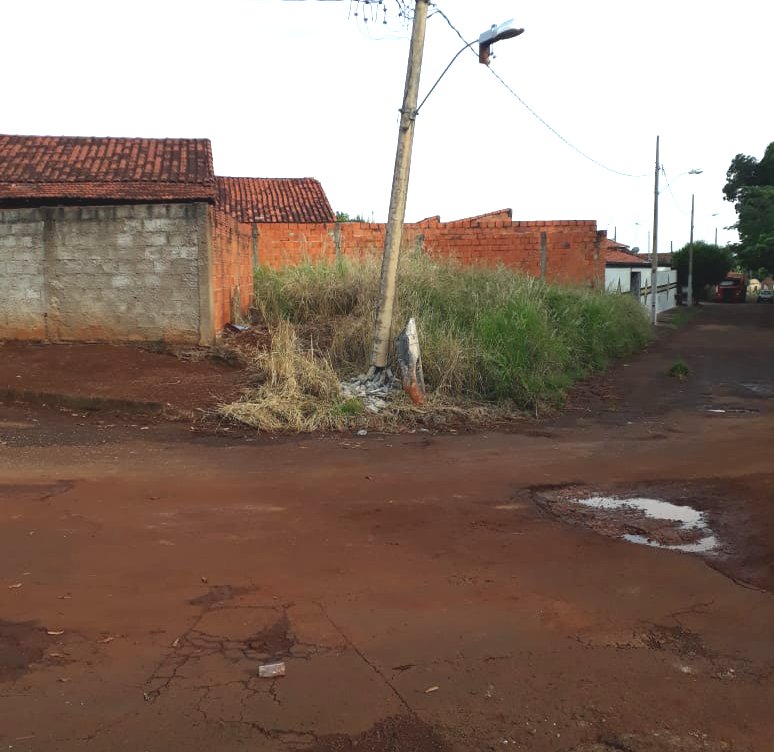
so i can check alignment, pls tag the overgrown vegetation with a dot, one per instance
(679, 370)
(492, 340)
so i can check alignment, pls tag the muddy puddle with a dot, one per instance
(636, 519)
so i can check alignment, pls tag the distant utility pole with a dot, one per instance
(654, 257)
(690, 258)
(397, 213)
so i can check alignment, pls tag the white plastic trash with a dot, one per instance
(270, 670)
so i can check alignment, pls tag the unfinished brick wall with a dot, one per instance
(234, 246)
(573, 253)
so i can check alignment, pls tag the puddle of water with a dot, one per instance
(654, 508)
(743, 410)
(686, 518)
(705, 545)
(764, 390)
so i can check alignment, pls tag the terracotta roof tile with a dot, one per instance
(621, 258)
(134, 169)
(274, 199)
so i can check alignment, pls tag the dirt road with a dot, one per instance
(419, 589)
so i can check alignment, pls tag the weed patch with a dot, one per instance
(679, 370)
(493, 341)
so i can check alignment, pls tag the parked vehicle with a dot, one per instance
(765, 296)
(733, 289)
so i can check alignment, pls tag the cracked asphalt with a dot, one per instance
(420, 598)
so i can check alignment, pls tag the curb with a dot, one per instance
(81, 402)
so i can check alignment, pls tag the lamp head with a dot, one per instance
(506, 30)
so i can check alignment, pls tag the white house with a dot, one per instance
(628, 272)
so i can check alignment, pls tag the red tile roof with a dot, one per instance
(619, 254)
(274, 199)
(622, 258)
(111, 169)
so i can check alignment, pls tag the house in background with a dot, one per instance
(629, 272)
(130, 238)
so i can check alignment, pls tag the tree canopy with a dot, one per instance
(710, 265)
(344, 217)
(750, 186)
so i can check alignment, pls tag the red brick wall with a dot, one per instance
(573, 251)
(232, 267)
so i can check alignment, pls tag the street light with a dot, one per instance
(397, 212)
(506, 30)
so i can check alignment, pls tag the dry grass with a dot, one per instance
(494, 342)
(298, 391)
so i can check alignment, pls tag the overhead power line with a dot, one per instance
(535, 114)
(671, 192)
(405, 10)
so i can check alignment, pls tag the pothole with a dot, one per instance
(636, 519)
(21, 644)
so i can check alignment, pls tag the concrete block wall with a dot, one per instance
(22, 274)
(124, 272)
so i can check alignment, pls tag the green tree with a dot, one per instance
(344, 217)
(710, 265)
(750, 186)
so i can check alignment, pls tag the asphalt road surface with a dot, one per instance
(418, 589)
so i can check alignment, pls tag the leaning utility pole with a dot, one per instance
(654, 257)
(400, 179)
(690, 258)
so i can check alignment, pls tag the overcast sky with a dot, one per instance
(304, 88)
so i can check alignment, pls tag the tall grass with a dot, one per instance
(486, 333)
(489, 336)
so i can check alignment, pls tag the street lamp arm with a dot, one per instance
(445, 71)
(485, 41)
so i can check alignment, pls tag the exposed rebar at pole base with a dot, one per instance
(397, 213)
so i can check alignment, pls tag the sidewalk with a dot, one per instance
(121, 377)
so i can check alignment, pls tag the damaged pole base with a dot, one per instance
(410, 362)
(378, 377)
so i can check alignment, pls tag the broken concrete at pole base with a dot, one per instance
(410, 362)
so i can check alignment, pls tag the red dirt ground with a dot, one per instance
(148, 571)
(90, 374)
